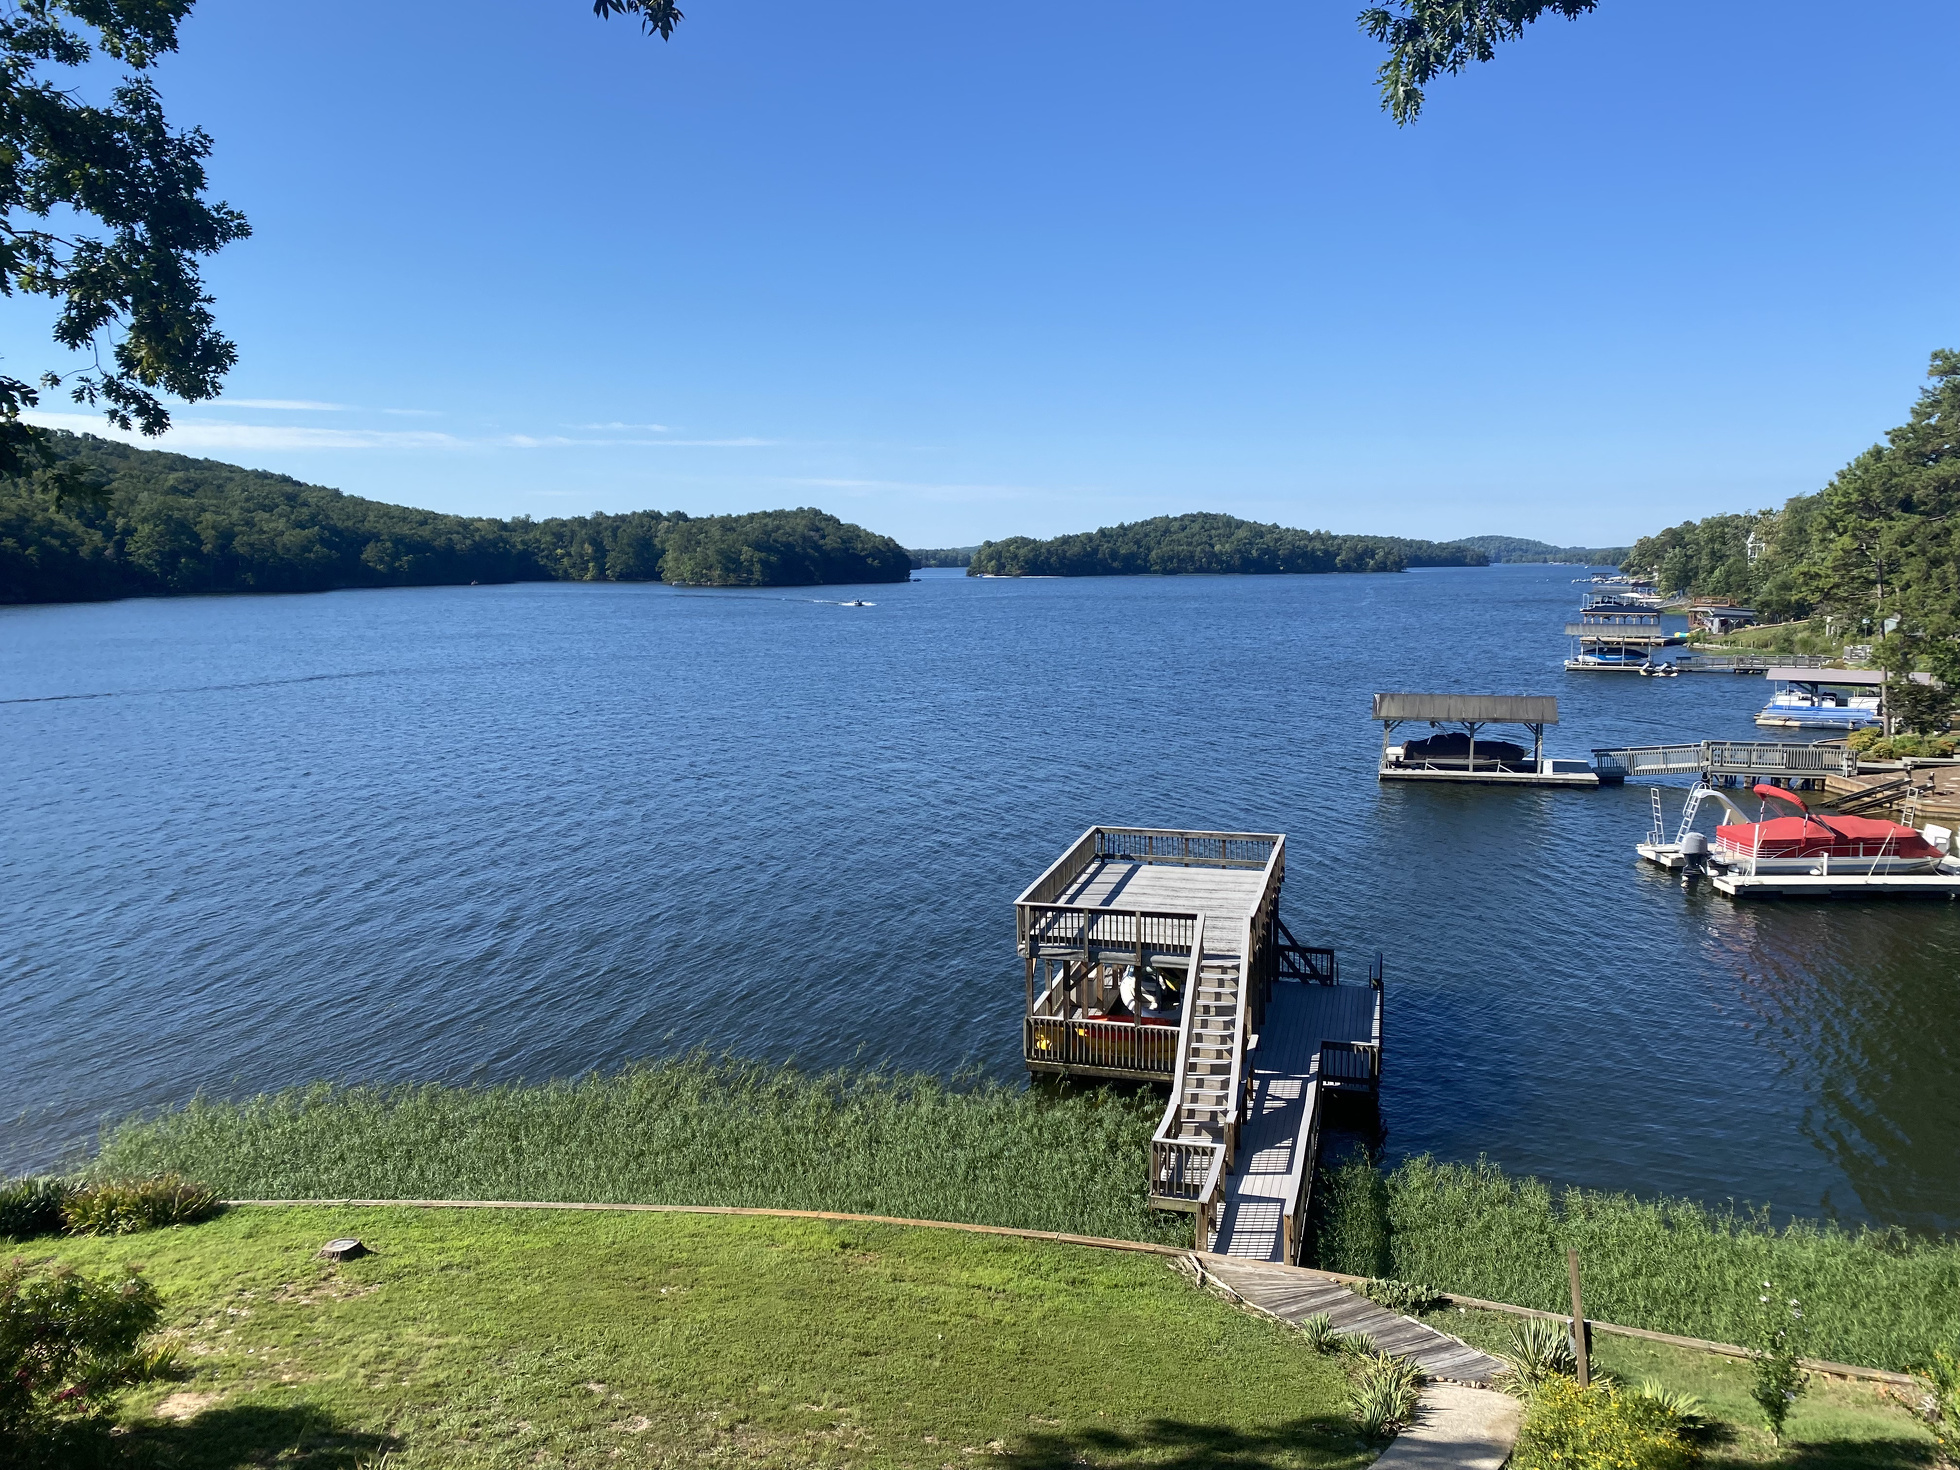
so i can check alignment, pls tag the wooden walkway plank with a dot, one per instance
(1292, 1296)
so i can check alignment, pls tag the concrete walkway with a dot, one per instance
(1456, 1426)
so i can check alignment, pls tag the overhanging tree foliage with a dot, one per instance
(1431, 38)
(126, 276)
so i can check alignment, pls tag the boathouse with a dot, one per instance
(1158, 955)
(1617, 633)
(1452, 750)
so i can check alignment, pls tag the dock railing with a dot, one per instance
(1195, 849)
(1728, 758)
(1086, 930)
(1298, 1189)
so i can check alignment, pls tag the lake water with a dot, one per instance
(505, 832)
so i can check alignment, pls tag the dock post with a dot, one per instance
(1578, 1322)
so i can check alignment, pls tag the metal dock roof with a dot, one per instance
(1501, 709)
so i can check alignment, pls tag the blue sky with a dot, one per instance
(959, 274)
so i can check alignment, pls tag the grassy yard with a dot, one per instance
(525, 1338)
(1837, 1425)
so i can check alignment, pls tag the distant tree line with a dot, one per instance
(1515, 549)
(946, 556)
(1205, 542)
(110, 520)
(1875, 552)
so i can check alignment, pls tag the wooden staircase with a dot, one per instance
(1213, 1054)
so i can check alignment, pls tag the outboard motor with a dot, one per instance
(1694, 852)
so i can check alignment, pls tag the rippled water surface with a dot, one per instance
(526, 831)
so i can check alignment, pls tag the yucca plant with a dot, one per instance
(1320, 1333)
(1383, 1393)
(1355, 1345)
(1541, 1348)
(1675, 1405)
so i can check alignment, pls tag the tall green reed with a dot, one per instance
(1881, 1298)
(686, 1131)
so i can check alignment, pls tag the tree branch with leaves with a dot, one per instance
(1431, 38)
(103, 210)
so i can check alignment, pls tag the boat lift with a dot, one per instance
(1457, 718)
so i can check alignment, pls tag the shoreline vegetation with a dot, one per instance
(1873, 556)
(109, 520)
(113, 521)
(698, 1131)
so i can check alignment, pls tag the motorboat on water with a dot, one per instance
(1801, 841)
(1659, 671)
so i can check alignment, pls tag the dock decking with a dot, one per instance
(1257, 1219)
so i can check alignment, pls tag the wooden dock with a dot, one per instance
(1158, 955)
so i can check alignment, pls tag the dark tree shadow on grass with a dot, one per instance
(1175, 1445)
(1852, 1454)
(223, 1438)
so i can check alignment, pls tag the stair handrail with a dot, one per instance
(1167, 1125)
(1240, 1031)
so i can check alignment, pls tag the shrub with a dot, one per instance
(1383, 1391)
(1906, 747)
(1401, 1296)
(1778, 1380)
(67, 1343)
(1941, 1376)
(1540, 1350)
(31, 1207)
(1320, 1333)
(1567, 1427)
(140, 1204)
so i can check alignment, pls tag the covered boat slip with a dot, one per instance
(1158, 955)
(1455, 752)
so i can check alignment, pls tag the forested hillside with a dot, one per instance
(134, 522)
(1523, 549)
(1169, 545)
(1881, 541)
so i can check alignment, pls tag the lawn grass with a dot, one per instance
(685, 1131)
(1878, 1299)
(518, 1338)
(695, 1131)
(1838, 1424)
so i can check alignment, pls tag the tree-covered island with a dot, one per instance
(1207, 542)
(145, 523)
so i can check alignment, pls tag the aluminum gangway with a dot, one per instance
(1760, 758)
(1748, 663)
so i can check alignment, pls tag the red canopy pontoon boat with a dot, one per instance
(1810, 844)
